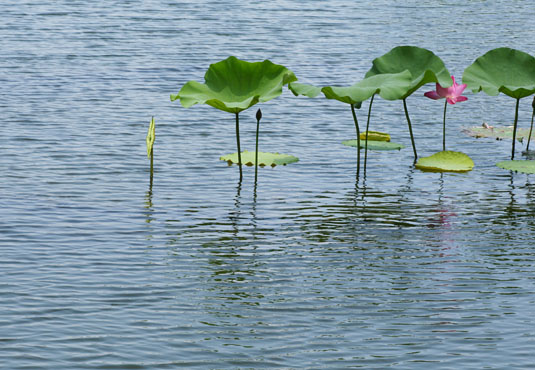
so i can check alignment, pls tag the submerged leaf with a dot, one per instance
(498, 133)
(374, 145)
(518, 166)
(375, 136)
(423, 65)
(151, 134)
(304, 89)
(504, 70)
(264, 159)
(446, 161)
(233, 85)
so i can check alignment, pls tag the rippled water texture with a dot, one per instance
(310, 269)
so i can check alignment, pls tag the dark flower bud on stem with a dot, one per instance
(258, 114)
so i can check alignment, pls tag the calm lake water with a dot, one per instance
(310, 269)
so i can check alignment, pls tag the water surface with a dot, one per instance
(310, 268)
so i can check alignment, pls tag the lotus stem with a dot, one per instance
(258, 117)
(238, 142)
(367, 128)
(444, 126)
(531, 128)
(514, 128)
(358, 137)
(410, 129)
(151, 166)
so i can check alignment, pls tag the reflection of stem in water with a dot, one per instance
(358, 137)
(441, 188)
(511, 208)
(149, 211)
(367, 128)
(235, 216)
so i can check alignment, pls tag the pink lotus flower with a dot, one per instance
(452, 94)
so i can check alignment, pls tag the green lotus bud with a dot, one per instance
(258, 114)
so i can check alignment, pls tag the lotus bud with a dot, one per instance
(258, 114)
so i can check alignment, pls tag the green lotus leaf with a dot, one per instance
(304, 89)
(499, 133)
(518, 166)
(151, 134)
(264, 159)
(505, 70)
(446, 161)
(233, 85)
(375, 136)
(374, 144)
(391, 86)
(423, 65)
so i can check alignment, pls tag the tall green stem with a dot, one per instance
(531, 128)
(358, 137)
(444, 126)
(410, 129)
(367, 128)
(238, 142)
(151, 166)
(514, 129)
(258, 117)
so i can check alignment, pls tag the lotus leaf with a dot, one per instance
(391, 86)
(423, 65)
(304, 89)
(499, 132)
(446, 161)
(504, 70)
(518, 166)
(233, 85)
(375, 136)
(374, 144)
(264, 159)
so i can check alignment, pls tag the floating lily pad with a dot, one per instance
(264, 159)
(518, 166)
(446, 161)
(498, 133)
(374, 144)
(375, 136)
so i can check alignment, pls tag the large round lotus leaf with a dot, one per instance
(518, 166)
(505, 70)
(424, 66)
(391, 86)
(501, 132)
(233, 85)
(375, 136)
(304, 89)
(374, 145)
(264, 159)
(446, 161)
